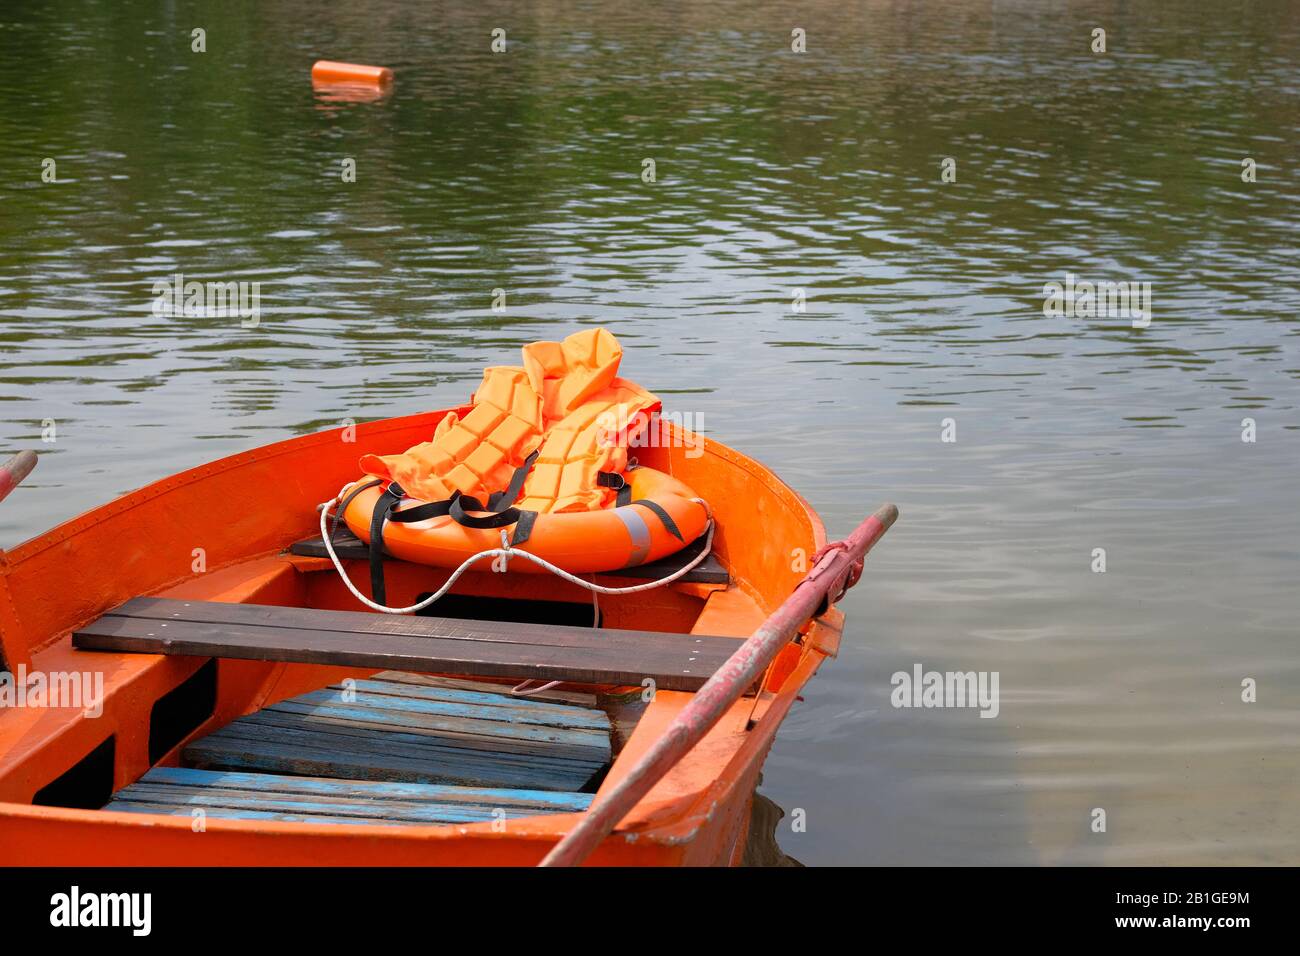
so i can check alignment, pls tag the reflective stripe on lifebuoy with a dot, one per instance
(637, 530)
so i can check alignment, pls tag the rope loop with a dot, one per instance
(505, 546)
(851, 578)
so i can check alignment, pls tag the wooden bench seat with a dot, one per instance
(424, 644)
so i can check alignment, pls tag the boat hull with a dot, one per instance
(219, 532)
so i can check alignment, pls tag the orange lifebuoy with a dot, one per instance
(579, 542)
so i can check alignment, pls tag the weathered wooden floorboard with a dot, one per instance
(187, 798)
(349, 731)
(227, 795)
(493, 705)
(515, 714)
(297, 759)
(552, 695)
(274, 728)
(347, 719)
(131, 806)
(415, 734)
(328, 788)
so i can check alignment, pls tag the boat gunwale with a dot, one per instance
(178, 480)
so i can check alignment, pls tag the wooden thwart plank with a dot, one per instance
(170, 611)
(437, 645)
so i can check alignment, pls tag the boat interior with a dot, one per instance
(257, 688)
(394, 746)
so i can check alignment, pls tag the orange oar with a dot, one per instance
(15, 470)
(836, 569)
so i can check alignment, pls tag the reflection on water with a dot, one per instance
(330, 95)
(762, 846)
(775, 172)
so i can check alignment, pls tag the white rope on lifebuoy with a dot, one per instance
(506, 552)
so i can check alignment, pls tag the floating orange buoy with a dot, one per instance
(327, 71)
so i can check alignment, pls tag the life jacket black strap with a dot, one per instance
(347, 500)
(389, 500)
(613, 479)
(458, 504)
(430, 509)
(461, 504)
(499, 505)
(501, 500)
(523, 527)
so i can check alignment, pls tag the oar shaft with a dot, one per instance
(721, 690)
(15, 470)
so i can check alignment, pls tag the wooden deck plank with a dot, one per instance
(294, 758)
(472, 735)
(352, 734)
(710, 571)
(354, 799)
(439, 645)
(443, 714)
(131, 806)
(274, 755)
(428, 744)
(554, 695)
(322, 733)
(329, 788)
(532, 710)
(188, 798)
(471, 705)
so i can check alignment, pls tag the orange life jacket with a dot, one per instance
(565, 403)
(543, 451)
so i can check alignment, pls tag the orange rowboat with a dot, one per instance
(188, 681)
